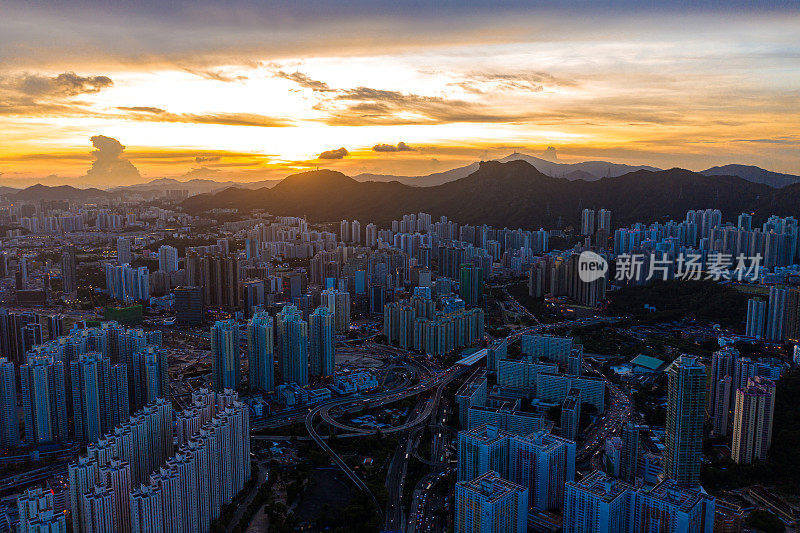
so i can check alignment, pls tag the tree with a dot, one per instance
(765, 521)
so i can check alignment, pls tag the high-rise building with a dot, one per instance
(471, 284)
(37, 513)
(629, 462)
(69, 270)
(344, 231)
(115, 476)
(321, 342)
(338, 303)
(167, 258)
(604, 220)
(124, 255)
(292, 344)
(756, 316)
(601, 504)
(43, 392)
(613, 455)
(189, 306)
(151, 375)
(776, 314)
(587, 222)
(491, 504)
(97, 509)
(225, 364)
(217, 276)
(83, 474)
(542, 463)
(99, 395)
(261, 352)
(752, 421)
(571, 414)
(481, 450)
(684, 426)
(9, 417)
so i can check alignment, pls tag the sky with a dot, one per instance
(113, 93)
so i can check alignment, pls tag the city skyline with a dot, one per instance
(260, 91)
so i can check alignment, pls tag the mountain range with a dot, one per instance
(586, 170)
(583, 172)
(512, 194)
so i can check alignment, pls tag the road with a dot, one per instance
(436, 380)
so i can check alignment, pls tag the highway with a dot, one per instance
(436, 380)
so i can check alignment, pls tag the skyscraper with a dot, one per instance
(481, 450)
(226, 368)
(338, 303)
(321, 342)
(752, 422)
(684, 427)
(9, 418)
(542, 463)
(292, 343)
(630, 451)
(601, 504)
(261, 352)
(43, 392)
(189, 305)
(471, 284)
(124, 255)
(756, 315)
(776, 314)
(587, 222)
(491, 504)
(69, 272)
(99, 395)
(167, 258)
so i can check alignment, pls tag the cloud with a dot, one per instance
(156, 114)
(143, 109)
(339, 153)
(63, 85)
(206, 159)
(368, 106)
(108, 167)
(202, 172)
(482, 83)
(401, 147)
(304, 81)
(37, 95)
(215, 75)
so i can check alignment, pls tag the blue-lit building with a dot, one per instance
(226, 370)
(9, 422)
(292, 343)
(321, 342)
(261, 352)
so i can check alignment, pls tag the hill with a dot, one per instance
(60, 192)
(754, 174)
(586, 170)
(513, 194)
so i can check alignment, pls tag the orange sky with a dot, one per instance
(254, 94)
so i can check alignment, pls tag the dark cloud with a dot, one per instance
(339, 153)
(206, 159)
(38, 95)
(304, 81)
(401, 147)
(66, 84)
(108, 167)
